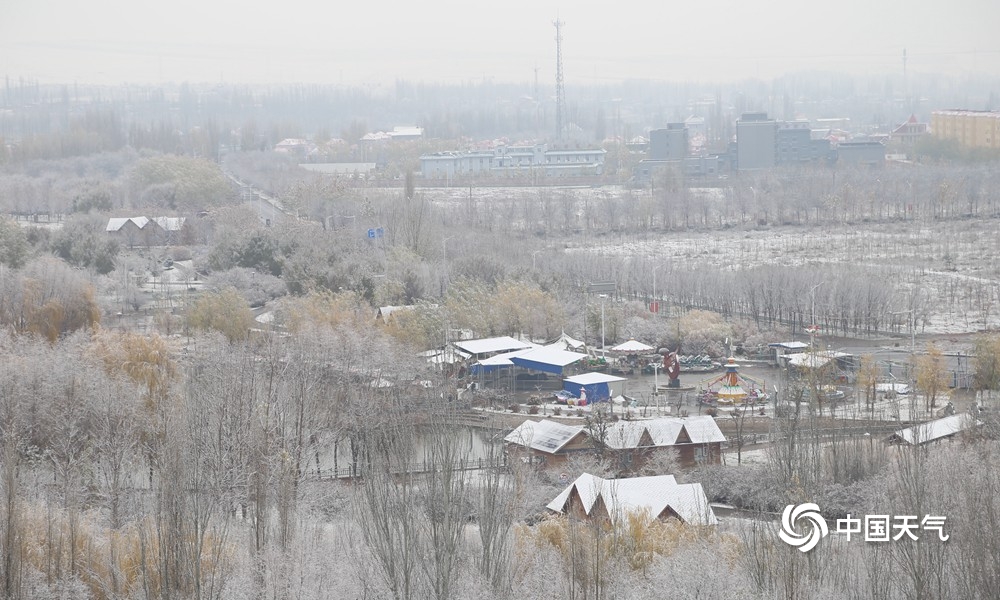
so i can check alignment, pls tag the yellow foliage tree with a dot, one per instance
(51, 306)
(868, 373)
(512, 308)
(326, 309)
(420, 328)
(226, 312)
(145, 359)
(932, 375)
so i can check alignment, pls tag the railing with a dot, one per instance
(416, 468)
(751, 438)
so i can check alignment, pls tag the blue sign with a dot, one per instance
(371, 233)
(376, 233)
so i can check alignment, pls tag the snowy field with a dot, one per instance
(950, 264)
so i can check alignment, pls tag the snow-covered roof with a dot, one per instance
(170, 223)
(375, 137)
(631, 346)
(565, 343)
(546, 435)
(664, 431)
(789, 345)
(496, 344)
(502, 360)
(550, 356)
(386, 311)
(899, 388)
(621, 435)
(813, 360)
(592, 378)
(116, 223)
(407, 131)
(935, 430)
(661, 495)
(703, 429)
(447, 355)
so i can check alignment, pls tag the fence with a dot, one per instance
(416, 468)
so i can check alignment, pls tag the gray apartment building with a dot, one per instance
(756, 141)
(670, 143)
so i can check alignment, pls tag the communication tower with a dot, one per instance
(560, 91)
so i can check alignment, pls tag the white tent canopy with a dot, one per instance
(592, 378)
(566, 343)
(631, 346)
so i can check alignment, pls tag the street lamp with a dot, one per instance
(444, 260)
(913, 327)
(812, 296)
(533, 255)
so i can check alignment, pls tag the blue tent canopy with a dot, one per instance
(547, 359)
(598, 386)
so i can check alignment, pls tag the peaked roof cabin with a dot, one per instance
(613, 499)
(695, 439)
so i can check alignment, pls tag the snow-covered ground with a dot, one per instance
(951, 262)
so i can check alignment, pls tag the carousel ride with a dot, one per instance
(732, 389)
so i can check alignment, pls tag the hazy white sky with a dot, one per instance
(361, 41)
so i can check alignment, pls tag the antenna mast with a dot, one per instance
(560, 91)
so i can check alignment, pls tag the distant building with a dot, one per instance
(670, 143)
(864, 152)
(670, 148)
(795, 144)
(910, 132)
(970, 128)
(145, 231)
(406, 132)
(298, 147)
(128, 230)
(168, 230)
(513, 160)
(692, 167)
(756, 142)
(637, 144)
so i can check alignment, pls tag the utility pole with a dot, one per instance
(656, 313)
(603, 351)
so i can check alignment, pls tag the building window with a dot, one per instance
(701, 455)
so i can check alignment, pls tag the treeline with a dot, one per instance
(135, 466)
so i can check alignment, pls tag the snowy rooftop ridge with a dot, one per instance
(935, 430)
(661, 495)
